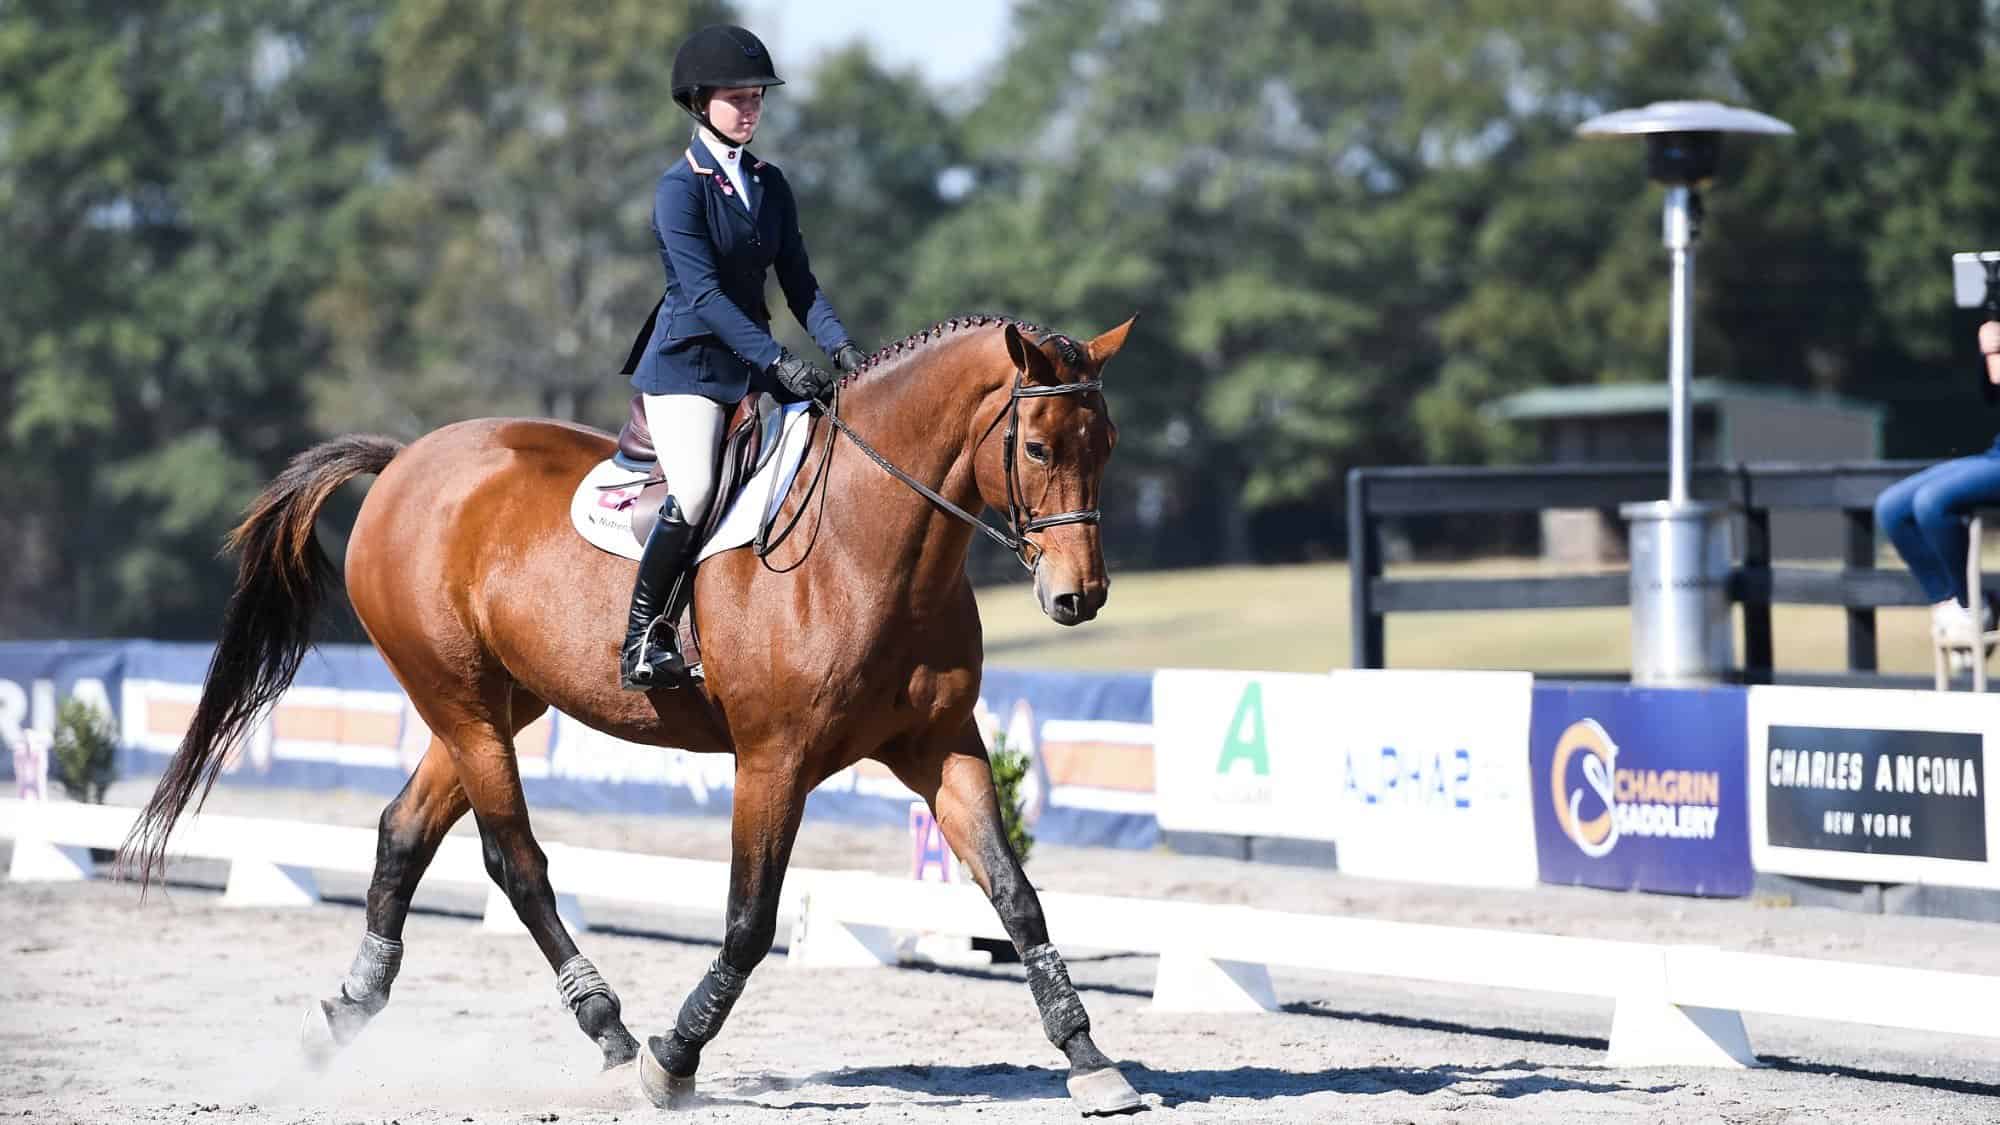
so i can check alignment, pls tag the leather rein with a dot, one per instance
(1020, 523)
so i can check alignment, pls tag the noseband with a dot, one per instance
(1020, 524)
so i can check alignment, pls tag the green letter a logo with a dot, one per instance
(1244, 740)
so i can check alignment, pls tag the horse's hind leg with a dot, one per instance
(492, 779)
(765, 822)
(412, 826)
(956, 780)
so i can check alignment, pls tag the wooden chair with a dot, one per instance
(1975, 598)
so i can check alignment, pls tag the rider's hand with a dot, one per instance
(803, 378)
(848, 358)
(1989, 346)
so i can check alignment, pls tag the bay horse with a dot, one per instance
(859, 638)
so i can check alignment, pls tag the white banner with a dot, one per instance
(1874, 786)
(1412, 775)
(1238, 753)
(1433, 776)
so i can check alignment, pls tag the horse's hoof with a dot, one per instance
(316, 1039)
(665, 1091)
(1104, 1092)
(619, 1049)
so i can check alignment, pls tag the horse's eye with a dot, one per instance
(1038, 452)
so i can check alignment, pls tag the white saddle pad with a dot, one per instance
(602, 515)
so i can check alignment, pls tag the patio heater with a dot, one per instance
(1679, 547)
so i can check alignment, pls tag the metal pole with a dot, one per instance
(1678, 231)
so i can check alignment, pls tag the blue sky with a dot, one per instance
(951, 41)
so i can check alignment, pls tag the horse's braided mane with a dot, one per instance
(1071, 351)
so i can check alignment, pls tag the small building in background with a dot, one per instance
(1733, 422)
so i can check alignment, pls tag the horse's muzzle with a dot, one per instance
(1071, 607)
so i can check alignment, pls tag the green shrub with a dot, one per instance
(84, 758)
(1010, 768)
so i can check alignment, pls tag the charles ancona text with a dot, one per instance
(1931, 776)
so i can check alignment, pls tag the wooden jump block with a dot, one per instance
(38, 861)
(257, 882)
(1649, 1029)
(822, 940)
(501, 918)
(1190, 982)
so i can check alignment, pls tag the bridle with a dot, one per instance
(1020, 524)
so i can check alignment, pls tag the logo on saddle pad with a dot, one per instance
(620, 500)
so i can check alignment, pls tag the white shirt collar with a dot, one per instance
(731, 159)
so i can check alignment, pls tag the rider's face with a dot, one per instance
(734, 111)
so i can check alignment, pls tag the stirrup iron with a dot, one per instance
(653, 668)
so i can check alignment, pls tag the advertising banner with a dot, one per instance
(1089, 739)
(1245, 753)
(1641, 788)
(1433, 776)
(35, 678)
(1873, 786)
(345, 722)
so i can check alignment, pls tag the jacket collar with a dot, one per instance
(704, 159)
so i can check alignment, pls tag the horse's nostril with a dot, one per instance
(1069, 605)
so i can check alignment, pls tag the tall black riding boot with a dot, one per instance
(651, 655)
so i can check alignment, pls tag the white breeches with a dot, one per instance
(686, 429)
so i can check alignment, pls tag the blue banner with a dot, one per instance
(1641, 788)
(35, 678)
(346, 723)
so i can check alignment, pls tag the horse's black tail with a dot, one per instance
(281, 580)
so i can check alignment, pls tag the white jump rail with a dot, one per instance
(272, 862)
(1674, 1005)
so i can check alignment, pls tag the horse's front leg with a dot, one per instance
(768, 805)
(957, 781)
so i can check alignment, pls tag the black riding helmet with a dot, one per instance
(720, 56)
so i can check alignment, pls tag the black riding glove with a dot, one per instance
(801, 377)
(848, 358)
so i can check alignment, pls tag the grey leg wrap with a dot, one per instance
(373, 972)
(578, 980)
(1055, 997)
(708, 1005)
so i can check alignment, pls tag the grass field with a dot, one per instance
(1295, 618)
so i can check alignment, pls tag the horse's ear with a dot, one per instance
(1029, 358)
(1104, 347)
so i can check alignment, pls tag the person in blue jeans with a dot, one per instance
(1926, 516)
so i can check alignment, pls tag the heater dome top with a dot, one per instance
(1682, 117)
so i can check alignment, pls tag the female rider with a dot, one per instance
(1925, 517)
(721, 218)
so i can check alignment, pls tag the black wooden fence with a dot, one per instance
(1753, 490)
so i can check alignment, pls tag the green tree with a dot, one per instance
(1824, 259)
(867, 151)
(169, 175)
(1832, 248)
(1242, 175)
(1359, 224)
(507, 262)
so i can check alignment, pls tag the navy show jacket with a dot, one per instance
(711, 335)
